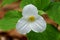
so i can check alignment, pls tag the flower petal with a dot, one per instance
(41, 21)
(22, 26)
(30, 10)
(39, 25)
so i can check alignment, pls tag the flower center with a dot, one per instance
(31, 18)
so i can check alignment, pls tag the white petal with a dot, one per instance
(22, 26)
(30, 10)
(41, 21)
(39, 25)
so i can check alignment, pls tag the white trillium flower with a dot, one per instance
(30, 21)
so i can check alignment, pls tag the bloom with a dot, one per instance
(30, 21)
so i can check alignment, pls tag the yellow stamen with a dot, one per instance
(31, 18)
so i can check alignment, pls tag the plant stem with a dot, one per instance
(50, 21)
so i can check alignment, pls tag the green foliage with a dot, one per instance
(8, 1)
(41, 12)
(10, 20)
(40, 4)
(49, 34)
(53, 11)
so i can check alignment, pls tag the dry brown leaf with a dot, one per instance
(8, 7)
(12, 34)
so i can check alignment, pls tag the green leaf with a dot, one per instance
(40, 4)
(49, 34)
(8, 1)
(54, 13)
(41, 12)
(10, 20)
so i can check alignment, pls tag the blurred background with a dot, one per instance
(51, 7)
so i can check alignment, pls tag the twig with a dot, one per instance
(50, 21)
